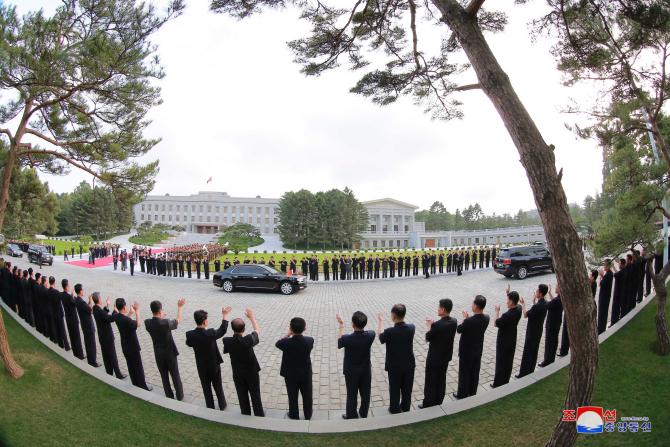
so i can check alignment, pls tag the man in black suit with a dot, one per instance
(400, 362)
(356, 367)
(536, 316)
(470, 348)
(72, 320)
(552, 327)
(103, 320)
(207, 356)
(165, 349)
(130, 345)
(605, 294)
(296, 367)
(85, 313)
(440, 338)
(245, 365)
(506, 341)
(57, 315)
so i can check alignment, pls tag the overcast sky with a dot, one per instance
(236, 108)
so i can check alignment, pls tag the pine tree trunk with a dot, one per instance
(538, 160)
(15, 371)
(7, 170)
(661, 300)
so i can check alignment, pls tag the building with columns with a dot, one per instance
(209, 211)
(391, 222)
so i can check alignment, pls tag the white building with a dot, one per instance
(392, 225)
(208, 211)
(391, 221)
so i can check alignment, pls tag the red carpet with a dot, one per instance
(99, 262)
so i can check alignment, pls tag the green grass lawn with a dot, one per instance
(56, 404)
(149, 237)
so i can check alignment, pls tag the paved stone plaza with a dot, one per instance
(318, 304)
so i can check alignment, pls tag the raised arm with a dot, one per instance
(180, 309)
(254, 324)
(340, 323)
(136, 308)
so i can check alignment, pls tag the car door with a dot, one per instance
(543, 259)
(266, 279)
(240, 276)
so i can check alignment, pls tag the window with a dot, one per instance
(209, 208)
(185, 219)
(225, 209)
(258, 210)
(216, 218)
(156, 207)
(193, 208)
(373, 228)
(234, 219)
(177, 217)
(163, 207)
(250, 209)
(406, 228)
(170, 217)
(201, 208)
(225, 220)
(267, 210)
(234, 209)
(209, 219)
(383, 243)
(374, 244)
(143, 207)
(395, 228)
(170, 207)
(163, 217)
(156, 217)
(476, 240)
(276, 220)
(178, 207)
(142, 217)
(385, 228)
(258, 220)
(192, 218)
(218, 208)
(249, 220)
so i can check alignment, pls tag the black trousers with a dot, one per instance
(468, 375)
(435, 386)
(326, 276)
(400, 386)
(565, 339)
(551, 346)
(135, 369)
(212, 379)
(169, 368)
(358, 383)
(616, 308)
(504, 364)
(415, 270)
(75, 339)
(89, 344)
(407, 270)
(249, 385)
(304, 386)
(603, 310)
(61, 333)
(109, 359)
(335, 275)
(529, 358)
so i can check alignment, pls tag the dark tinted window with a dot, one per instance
(245, 269)
(541, 252)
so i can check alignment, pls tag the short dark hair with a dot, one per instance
(543, 288)
(155, 306)
(64, 282)
(30, 270)
(298, 325)
(120, 303)
(594, 274)
(514, 296)
(480, 302)
(199, 316)
(399, 310)
(77, 288)
(37, 276)
(446, 304)
(52, 280)
(359, 319)
(238, 325)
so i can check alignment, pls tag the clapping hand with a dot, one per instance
(380, 317)
(429, 322)
(497, 308)
(136, 306)
(107, 303)
(465, 314)
(339, 320)
(181, 302)
(249, 313)
(226, 310)
(507, 289)
(521, 301)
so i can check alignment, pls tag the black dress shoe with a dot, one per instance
(455, 396)
(516, 376)
(541, 364)
(122, 376)
(420, 406)
(224, 407)
(561, 355)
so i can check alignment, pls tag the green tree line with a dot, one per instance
(330, 219)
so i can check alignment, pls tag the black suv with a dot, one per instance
(39, 254)
(522, 261)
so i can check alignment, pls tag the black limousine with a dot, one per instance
(257, 277)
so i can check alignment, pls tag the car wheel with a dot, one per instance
(286, 288)
(522, 272)
(227, 286)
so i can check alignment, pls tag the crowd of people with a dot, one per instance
(61, 314)
(200, 260)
